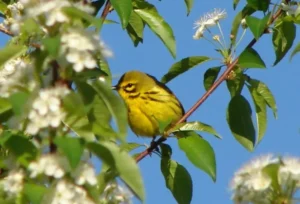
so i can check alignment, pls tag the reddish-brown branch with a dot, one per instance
(105, 10)
(222, 78)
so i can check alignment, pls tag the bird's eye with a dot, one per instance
(129, 85)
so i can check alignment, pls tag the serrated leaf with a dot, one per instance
(261, 5)
(210, 77)
(52, 45)
(196, 126)
(130, 146)
(9, 52)
(123, 9)
(240, 121)
(182, 66)
(177, 178)
(125, 165)
(249, 58)
(295, 51)
(97, 111)
(237, 22)
(115, 105)
(21, 148)
(34, 192)
(283, 38)
(4, 105)
(18, 101)
(235, 3)
(189, 5)
(199, 152)
(76, 118)
(72, 148)
(261, 113)
(157, 24)
(256, 25)
(265, 92)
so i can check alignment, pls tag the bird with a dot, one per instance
(149, 103)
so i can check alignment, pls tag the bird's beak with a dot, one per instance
(114, 87)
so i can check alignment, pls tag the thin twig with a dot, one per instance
(222, 78)
(105, 10)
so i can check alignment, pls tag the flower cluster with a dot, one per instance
(80, 48)
(253, 184)
(114, 193)
(46, 109)
(67, 193)
(15, 74)
(13, 183)
(13, 18)
(208, 20)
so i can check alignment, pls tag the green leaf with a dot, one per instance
(235, 85)
(240, 122)
(283, 38)
(260, 5)
(189, 5)
(128, 147)
(135, 28)
(72, 148)
(199, 152)
(182, 66)
(9, 52)
(21, 148)
(4, 105)
(196, 126)
(18, 101)
(157, 24)
(257, 26)
(210, 76)
(77, 13)
(105, 68)
(295, 51)
(34, 193)
(261, 113)
(115, 105)
(250, 59)
(263, 90)
(97, 112)
(235, 3)
(125, 165)
(237, 22)
(76, 118)
(123, 9)
(272, 171)
(52, 45)
(177, 178)
(3, 7)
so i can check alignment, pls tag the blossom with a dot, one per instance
(208, 20)
(13, 183)
(46, 109)
(85, 173)
(66, 192)
(51, 165)
(115, 193)
(80, 48)
(290, 9)
(16, 73)
(289, 172)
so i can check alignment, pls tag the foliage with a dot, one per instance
(57, 108)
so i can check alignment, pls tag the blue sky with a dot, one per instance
(282, 136)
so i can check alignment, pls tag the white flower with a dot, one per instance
(50, 165)
(289, 8)
(289, 171)
(115, 193)
(208, 20)
(81, 60)
(66, 192)
(16, 73)
(85, 173)
(13, 183)
(46, 109)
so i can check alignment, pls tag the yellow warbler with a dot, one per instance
(149, 102)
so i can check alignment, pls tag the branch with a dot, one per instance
(222, 78)
(105, 10)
